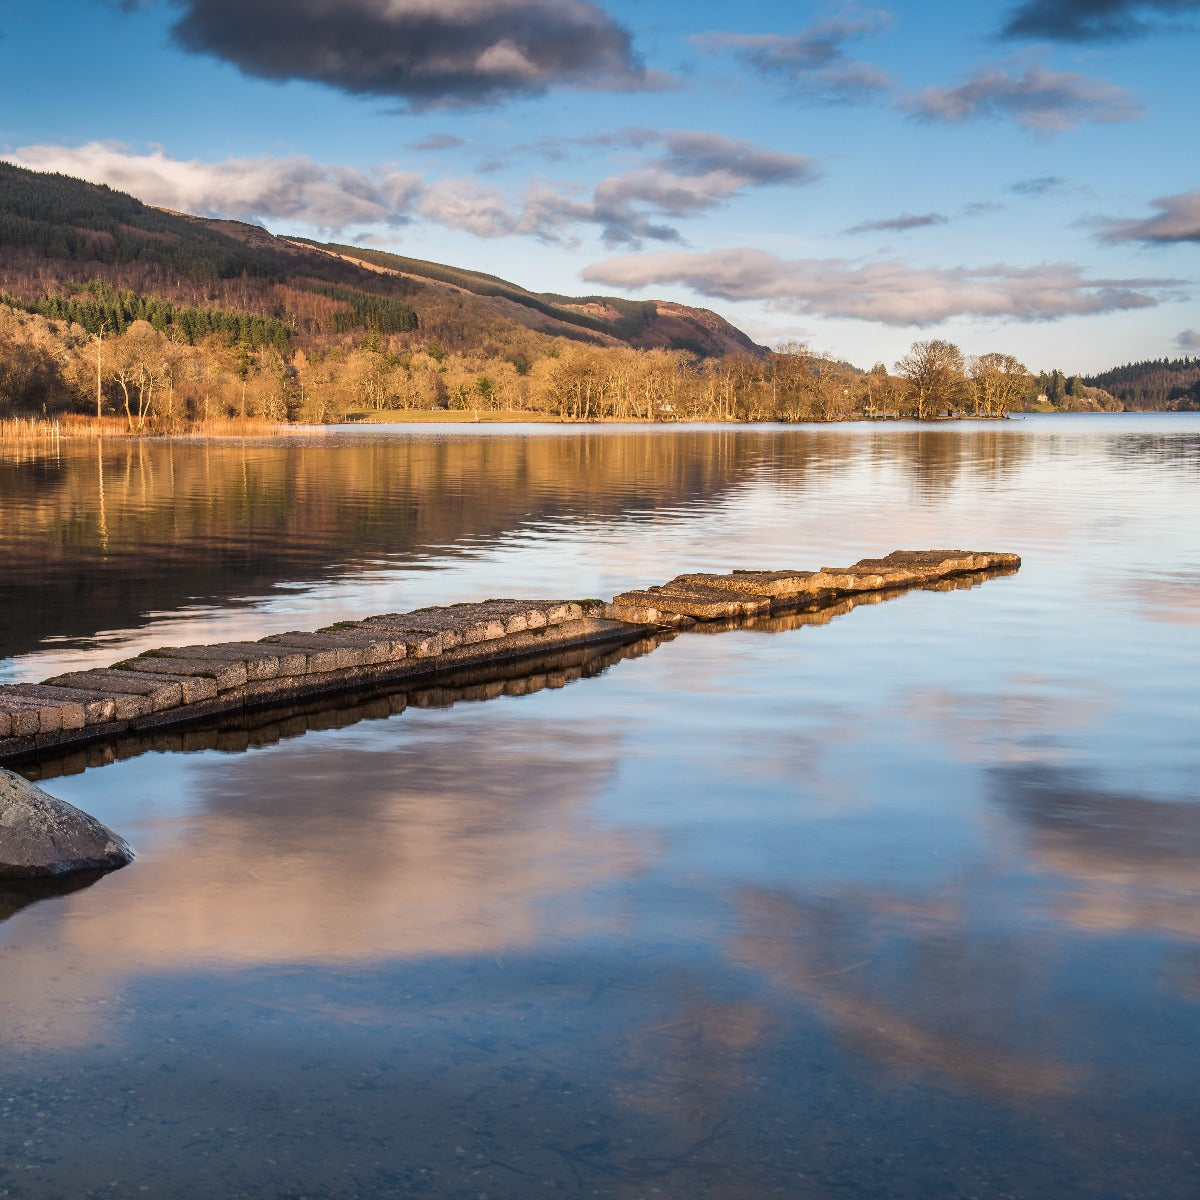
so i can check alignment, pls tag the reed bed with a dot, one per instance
(48, 431)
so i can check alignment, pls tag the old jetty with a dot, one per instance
(179, 685)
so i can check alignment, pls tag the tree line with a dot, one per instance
(1164, 383)
(161, 368)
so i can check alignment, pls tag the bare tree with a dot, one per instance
(137, 366)
(998, 382)
(936, 380)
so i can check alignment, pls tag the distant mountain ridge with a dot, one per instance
(57, 233)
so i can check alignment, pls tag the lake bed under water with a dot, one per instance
(905, 905)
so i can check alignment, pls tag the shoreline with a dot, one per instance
(25, 431)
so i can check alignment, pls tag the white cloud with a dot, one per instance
(248, 189)
(891, 293)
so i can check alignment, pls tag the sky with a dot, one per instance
(1011, 175)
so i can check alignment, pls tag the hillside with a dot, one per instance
(1156, 384)
(58, 235)
(643, 324)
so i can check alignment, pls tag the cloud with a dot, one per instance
(423, 52)
(693, 152)
(437, 141)
(1039, 185)
(248, 189)
(900, 224)
(980, 208)
(692, 172)
(1177, 220)
(887, 292)
(1188, 340)
(812, 64)
(464, 204)
(1090, 20)
(1043, 100)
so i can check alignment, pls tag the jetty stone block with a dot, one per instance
(705, 604)
(22, 722)
(56, 713)
(224, 674)
(355, 648)
(421, 639)
(126, 689)
(260, 661)
(97, 710)
(775, 585)
(317, 659)
(739, 603)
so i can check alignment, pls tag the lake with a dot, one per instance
(902, 905)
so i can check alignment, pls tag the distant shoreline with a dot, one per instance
(73, 427)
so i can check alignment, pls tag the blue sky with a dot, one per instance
(1016, 175)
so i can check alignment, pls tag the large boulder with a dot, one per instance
(41, 835)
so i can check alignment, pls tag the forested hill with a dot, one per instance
(1156, 384)
(645, 324)
(67, 248)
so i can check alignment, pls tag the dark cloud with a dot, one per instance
(1091, 20)
(887, 292)
(1042, 100)
(437, 141)
(1177, 220)
(1188, 339)
(899, 224)
(697, 153)
(813, 63)
(454, 52)
(1037, 186)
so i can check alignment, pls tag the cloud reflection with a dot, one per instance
(1121, 862)
(939, 1008)
(471, 842)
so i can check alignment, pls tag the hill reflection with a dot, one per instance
(99, 535)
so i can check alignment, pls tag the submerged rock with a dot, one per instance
(41, 835)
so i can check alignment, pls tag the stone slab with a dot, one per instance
(224, 673)
(97, 709)
(261, 662)
(353, 648)
(741, 603)
(134, 694)
(54, 714)
(775, 585)
(707, 606)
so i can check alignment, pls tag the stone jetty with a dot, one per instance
(179, 685)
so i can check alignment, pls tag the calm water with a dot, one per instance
(907, 905)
